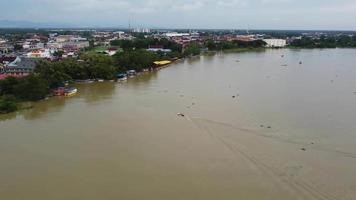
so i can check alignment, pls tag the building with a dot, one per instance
(158, 48)
(141, 30)
(33, 45)
(68, 43)
(276, 43)
(4, 60)
(19, 67)
(174, 34)
(39, 53)
(111, 51)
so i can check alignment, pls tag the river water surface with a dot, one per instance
(257, 125)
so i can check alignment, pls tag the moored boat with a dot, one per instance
(71, 92)
(121, 77)
(131, 73)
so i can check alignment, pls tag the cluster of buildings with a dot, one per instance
(19, 58)
(104, 38)
(40, 46)
(22, 55)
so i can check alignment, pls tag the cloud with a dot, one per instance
(193, 13)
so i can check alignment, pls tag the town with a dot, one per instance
(36, 63)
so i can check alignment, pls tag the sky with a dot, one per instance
(192, 14)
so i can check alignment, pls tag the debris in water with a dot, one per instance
(269, 127)
(262, 126)
(300, 62)
(303, 149)
(233, 96)
(180, 115)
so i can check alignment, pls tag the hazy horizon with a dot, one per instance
(184, 14)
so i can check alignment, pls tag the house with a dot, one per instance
(111, 51)
(157, 48)
(4, 60)
(276, 43)
(20, 67)
(39, 53)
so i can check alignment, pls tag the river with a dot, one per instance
(257, 125)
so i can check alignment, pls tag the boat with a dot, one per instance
(71, 92)
(60, 91)
(85, 81)
(131, 73)
(100, 80)
(121, 77)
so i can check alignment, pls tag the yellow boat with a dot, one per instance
(162, 63)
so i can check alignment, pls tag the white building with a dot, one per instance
(174, 34)
(141, 30)
(276, 43)
(39, 53)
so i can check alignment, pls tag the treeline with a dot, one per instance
(144, 43)
(343, 41)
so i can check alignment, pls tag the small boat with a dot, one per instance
(131, 73)
(71, 92)
(121, 77)
(85, 81)
(100, 80)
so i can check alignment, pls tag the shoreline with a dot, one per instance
(30, 104)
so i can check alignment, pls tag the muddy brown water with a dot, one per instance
(289, 133)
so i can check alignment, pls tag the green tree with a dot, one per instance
(135, 59)
(31, 88)
(192, 50)
(7, 85)
(53, 73)
(8, 104)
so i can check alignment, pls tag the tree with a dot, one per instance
(192, 50)
(135, 59)
(58, 54)
(7, 85)
(31, 88)
(18, 47)
(53, 73)
(8, 104)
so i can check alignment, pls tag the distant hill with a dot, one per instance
(30, 24)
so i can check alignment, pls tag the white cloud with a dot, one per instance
(195, 13)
